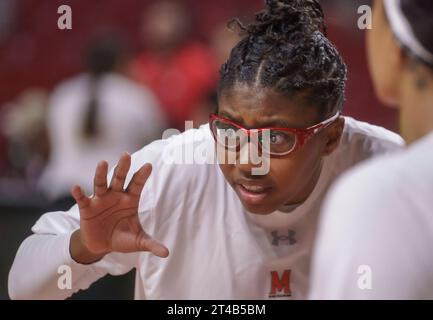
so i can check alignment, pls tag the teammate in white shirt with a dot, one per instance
(226, 232)
(376, 235)
(88, 120)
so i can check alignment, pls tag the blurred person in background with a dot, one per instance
(23, 124)
(97, 114)
(181, 71)
(376, 231)
(223, 38)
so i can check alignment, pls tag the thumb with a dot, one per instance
(157, 248)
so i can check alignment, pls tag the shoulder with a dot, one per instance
(121, 87)
(361, 141)
(177, 148)
(181, 175)
(367, 135)
(396, 174)
(371, 180)
(178, 161)
(71, 87)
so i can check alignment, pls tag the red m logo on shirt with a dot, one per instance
(280, 286)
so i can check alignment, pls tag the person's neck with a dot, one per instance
(308, 189)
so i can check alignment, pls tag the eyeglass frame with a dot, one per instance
(302, 135)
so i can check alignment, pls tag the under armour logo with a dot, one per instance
(289, 239)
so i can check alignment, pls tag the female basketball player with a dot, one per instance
(377, 229)
(227, 233)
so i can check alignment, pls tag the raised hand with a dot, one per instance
(109, 219)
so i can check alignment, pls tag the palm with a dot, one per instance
(109, 220)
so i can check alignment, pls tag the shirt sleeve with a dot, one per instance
(42, 258)
(368, 245)
(35, 271)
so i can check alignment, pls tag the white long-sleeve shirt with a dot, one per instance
(218, 250)
(376, 232)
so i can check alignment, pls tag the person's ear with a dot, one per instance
(333, 136)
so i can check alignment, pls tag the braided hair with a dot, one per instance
(286, 49)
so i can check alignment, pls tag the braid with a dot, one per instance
(286, 49)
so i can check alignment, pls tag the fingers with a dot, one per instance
(80, 197)
(139, 179)
(153, 246)
(119, 175)
(100, 180)
(135, 239)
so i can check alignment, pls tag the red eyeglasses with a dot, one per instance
(274, 141)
